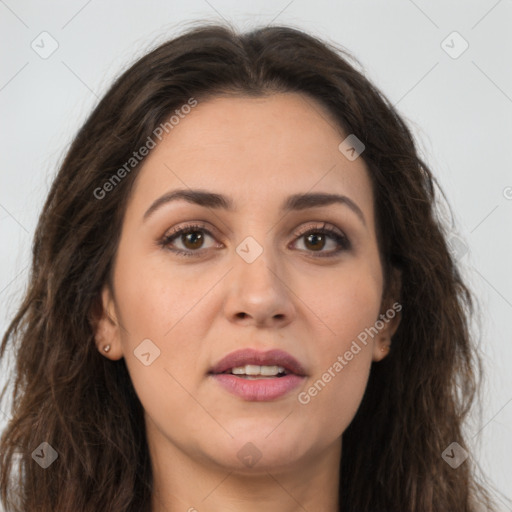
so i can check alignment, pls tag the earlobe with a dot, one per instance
(389, 322)
(106, 326)
(389, 318)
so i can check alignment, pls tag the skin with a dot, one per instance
(258, 151)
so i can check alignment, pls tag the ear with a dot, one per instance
(389, 317)
(106, 326)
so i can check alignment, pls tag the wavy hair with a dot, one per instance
(84, 405)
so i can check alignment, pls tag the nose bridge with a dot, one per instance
(257, 287)
(256, 265)
(255, 249)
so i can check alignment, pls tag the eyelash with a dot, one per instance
(167, 239)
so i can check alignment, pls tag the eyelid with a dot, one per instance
(199, 225)
(325, 225)
(330, 229)
(176, 231)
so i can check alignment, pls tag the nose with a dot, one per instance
(259, 293)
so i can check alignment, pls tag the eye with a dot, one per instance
(315, 240)
(192, 238)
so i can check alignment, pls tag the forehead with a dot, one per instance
(256, 150)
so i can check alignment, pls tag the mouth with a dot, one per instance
(255, 364)
(258, 376)
(253, 371)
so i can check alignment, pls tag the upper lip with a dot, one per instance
(251, 356)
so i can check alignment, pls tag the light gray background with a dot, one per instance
(459, 108)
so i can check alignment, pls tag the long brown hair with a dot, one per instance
(84, 405)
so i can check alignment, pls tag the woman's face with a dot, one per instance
(254, 276)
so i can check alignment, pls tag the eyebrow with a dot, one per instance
(217, 201)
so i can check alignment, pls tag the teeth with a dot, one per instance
(253, 369)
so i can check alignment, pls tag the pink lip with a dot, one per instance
(266, 388)
(258, 390)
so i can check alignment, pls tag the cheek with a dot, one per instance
(345, 303)
(152, 295)
(158, 311)
(347, 308)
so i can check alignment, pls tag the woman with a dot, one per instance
(241, 298)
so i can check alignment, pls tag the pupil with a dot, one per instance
(193, 237)
(315, 237)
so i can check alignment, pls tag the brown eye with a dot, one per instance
(316, 239)
(192, 239)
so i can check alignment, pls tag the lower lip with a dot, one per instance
(258, 390)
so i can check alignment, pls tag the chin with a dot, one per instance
(261, 463)
(250, 452)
